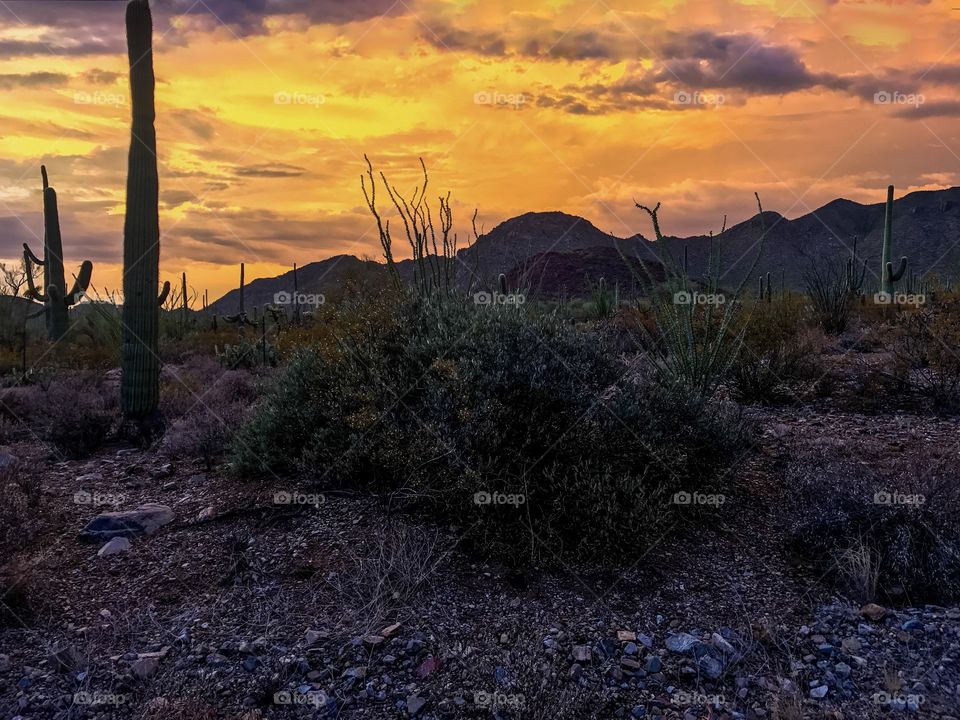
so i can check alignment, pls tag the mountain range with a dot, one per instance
(553, 253)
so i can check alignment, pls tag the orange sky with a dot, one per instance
(574, 105)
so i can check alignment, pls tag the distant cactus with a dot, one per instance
(888, 276)
(240, 319)
(56, 300)
(854, 283)
(140, 386)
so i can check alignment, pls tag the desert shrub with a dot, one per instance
(926, 357)
(19, 503)
(456, 407)
(778, 351)
(893, 533)
(832, 289)
(209, 415)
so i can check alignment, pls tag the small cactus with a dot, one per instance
(56, 300)
(888, 276)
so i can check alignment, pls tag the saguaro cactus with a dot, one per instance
(240, 319)
(140, 388)
(887, 275)
(56, 300)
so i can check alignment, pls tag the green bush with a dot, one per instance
(446, 404)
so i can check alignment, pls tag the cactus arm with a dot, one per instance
(894, 276)
(30, 257)
(163, 293)
(43, 176)
(80, 284)
(32, 291)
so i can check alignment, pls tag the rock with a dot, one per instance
(576, 670)
(654, 664)
(217, 660)
(251, 663)
(114, 547)
(428, 667)
(207, 513)
(912, 624)
(874, 612)
(313, 637)
(851, 645)
(66, 658)
(626, 636)
(5, 664)
(415, 704)
(89, 479)
(145, 520)
(819, 692)
(372, 641)
(143, 668)
(7, 459)
(842, 670)
(721, 644)
(710, 666)
(390, 630)
(639, 711)
(582, 654)
(629, 664)
(681, 643)
(645, 640)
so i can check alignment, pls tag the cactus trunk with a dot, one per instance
(140, 388)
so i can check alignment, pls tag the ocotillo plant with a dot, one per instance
(140, 387)
(296, 296)
(56, 301)
(887, 275)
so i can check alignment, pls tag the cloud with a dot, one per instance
(940, 108)
(32, 80)
(269, 170)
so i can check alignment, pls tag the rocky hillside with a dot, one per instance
(561, 253)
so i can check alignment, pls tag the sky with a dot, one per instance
(265, 109)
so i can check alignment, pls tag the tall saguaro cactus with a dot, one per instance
(140, 388)
(887, 275)
(55, 298)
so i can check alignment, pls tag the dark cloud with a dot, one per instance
(269, 170)
(32, 80)
(175, 198)
(101, 77)
(941, 108)
(705, 60)
(196, 122)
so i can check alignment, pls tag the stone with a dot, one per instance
(114, 547)
(217, 660)
(626, 636)
(681, 642)
(428, 667)
(207, 513)
(653, 665)
(251, 663)
(7, 459)
(874, 612)
(912, 624)
(313, 637)
(842, 670)
(851, 645)
(372, 641)
(5, 664)
(415, 704)
(145, 520)
(638, 711)
(390, 630)
(721, 644)
(66, 658)
(143, 668)
(645, 640)
(582, 654)
(631, 648)
(710, 666)
(819, 692)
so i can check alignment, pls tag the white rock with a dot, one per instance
(114, 547)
